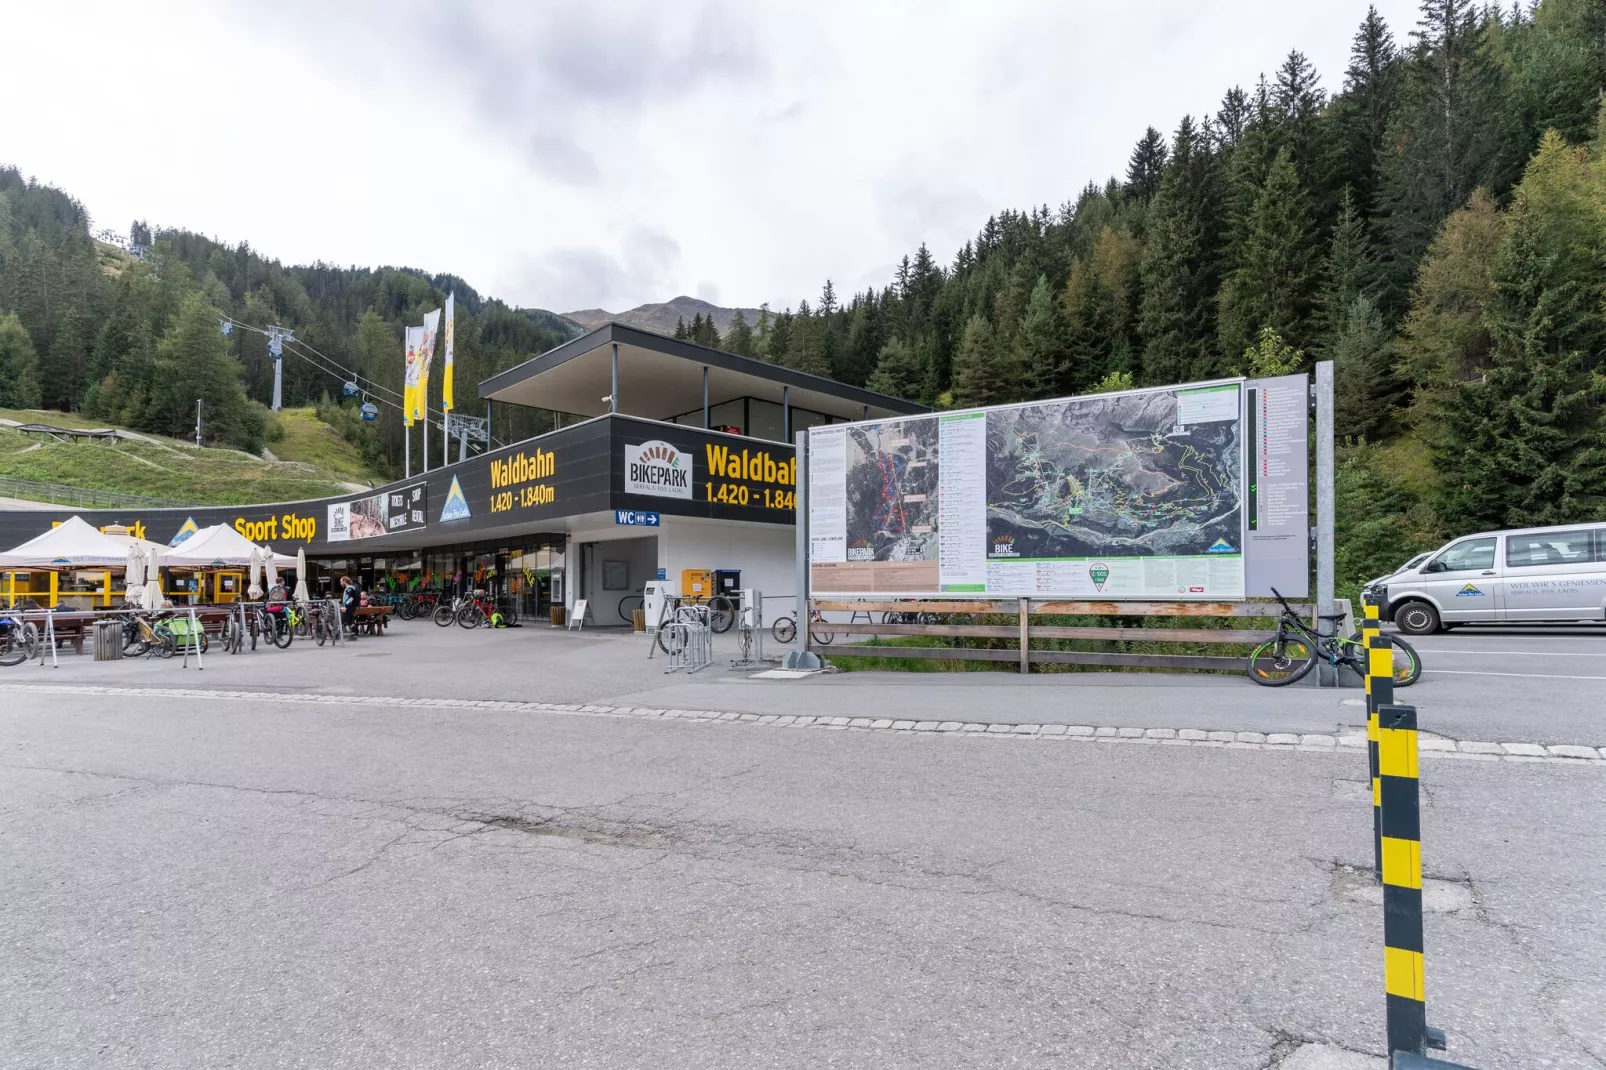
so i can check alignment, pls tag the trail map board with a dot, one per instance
(1131, 495)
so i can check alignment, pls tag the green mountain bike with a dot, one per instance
(1295, 649)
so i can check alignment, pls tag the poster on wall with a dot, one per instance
(658, 469)
(1130, 495)
(401, 509)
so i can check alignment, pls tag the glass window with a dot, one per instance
(765, 420)
(1466, 555)
(730, 414)
(1552, 548)
(803, 419)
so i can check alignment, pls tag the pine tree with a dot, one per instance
(1233, 117)
(1363, 383)
(739, 336)
(1148, 158)
(64, 368)
(1040, 351)
(898, 371)
(1346, 274)
(982, 375)
(681, 330)
(193, 362)
(1177, 315)
(761, 334)
(1371, 88)
(1272, 286)
(19, 366)
(1523, 444)
(1450, 126)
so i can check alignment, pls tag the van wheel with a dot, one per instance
(1417, 618)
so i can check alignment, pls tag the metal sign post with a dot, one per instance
(1327, 674)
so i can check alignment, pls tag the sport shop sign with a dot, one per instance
(658, 469)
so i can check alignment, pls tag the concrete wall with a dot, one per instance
(763, 552)
(640, 555)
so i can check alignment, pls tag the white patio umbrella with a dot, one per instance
(254, 591)
(272, 569)
(134, 575)
(302, 594)
(153, 581)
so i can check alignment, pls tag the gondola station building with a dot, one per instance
(670, 458)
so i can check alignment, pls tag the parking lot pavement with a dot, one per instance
(199, 881)
(1454, 698)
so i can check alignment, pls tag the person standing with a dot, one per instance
(349, 596)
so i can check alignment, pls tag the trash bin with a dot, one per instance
(638, 620)
(728, 582)
(108, 640)
(557, 616)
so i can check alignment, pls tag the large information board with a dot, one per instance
(1140, 494)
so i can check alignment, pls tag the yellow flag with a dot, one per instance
(410, 406)
(426, 355)
(446, 372)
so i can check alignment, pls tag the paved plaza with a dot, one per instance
(534, 848)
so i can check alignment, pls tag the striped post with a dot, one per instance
(1379, 691)
(1403, 979)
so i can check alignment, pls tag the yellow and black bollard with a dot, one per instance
(1379, 692)
(1401, 825)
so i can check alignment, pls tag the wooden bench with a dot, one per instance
(371, 620)
(71, 628)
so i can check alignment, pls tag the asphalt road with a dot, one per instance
(270, 882)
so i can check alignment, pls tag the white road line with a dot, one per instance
(1523, 675)
(1516, 653)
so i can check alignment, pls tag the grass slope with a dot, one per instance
(156, 466)
(308, 440)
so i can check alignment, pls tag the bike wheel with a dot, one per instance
(320, 631)
(205, 643)
(470, 616)
(444, 615)
(721, 614)
(784, 630)
(404, 609)
(282, 635)
(1407, 663)
(820, 637)
(14, 649)
(1280, 661)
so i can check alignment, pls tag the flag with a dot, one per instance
(415, 337)
(426, 355)
(446, 373)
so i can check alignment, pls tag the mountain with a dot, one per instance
(662, 317)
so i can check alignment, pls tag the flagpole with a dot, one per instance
(407, 451)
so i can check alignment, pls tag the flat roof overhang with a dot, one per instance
(661, 377)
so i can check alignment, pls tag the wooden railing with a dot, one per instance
(1024, 631)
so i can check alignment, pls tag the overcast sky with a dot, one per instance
(580, 155)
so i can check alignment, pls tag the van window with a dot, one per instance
(1550, 548)
(1466, 555)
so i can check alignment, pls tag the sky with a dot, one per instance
(601, 154)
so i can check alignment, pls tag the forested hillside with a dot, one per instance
(1434, 222)
(1433, 219)
(85, 327)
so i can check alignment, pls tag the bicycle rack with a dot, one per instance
(690, 639)
(750, 632)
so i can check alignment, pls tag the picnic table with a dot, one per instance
(372, 620)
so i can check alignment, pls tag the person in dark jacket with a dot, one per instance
(349, 597)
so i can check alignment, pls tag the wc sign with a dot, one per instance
(657, 469)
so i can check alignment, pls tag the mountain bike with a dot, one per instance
(784, 630)
(475, 612)
(446, 612)
(19, 640)
(1295, 649)
(273, 624)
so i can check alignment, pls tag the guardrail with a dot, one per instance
(83, 497)
(1023, 630)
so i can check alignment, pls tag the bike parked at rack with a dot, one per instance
(19, 640)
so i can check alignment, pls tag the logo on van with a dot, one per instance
(1469, 591)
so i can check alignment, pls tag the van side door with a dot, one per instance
(1554, 575)
(1463, 579)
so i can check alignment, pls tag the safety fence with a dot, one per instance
(1012, 626)
(82, 497)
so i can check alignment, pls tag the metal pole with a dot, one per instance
(1324, 503)
(705, 397)
(198, 422)
(800, 517)
(426, 429)
(407, 451)
(786, 411)
(613, 395)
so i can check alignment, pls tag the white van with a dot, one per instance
(1555, 574)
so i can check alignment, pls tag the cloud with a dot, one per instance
(560, 159)
(570, 277)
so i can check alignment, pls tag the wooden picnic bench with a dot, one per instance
(372, 620)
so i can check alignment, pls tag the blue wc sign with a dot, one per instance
(637, 518)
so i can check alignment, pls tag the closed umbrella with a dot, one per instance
(254, 592)
(272, 577)
(153, 581)
(134, 575)
(302, 594)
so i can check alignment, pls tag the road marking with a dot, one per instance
(1342, 742)
(1518, 653)
(1523, 675)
